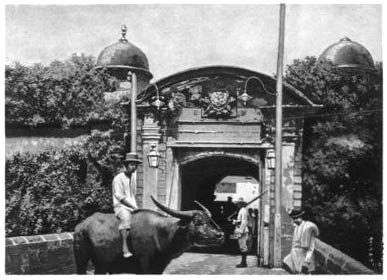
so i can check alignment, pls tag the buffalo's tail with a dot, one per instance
(82, 250)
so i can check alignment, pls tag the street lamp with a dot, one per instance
(153, 157)
(244, 97)
(270, 155)
(158, 102)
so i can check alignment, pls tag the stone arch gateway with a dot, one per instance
(214, 121)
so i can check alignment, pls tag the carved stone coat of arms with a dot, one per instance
(218, 104)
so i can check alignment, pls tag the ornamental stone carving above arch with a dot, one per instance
(193, 156)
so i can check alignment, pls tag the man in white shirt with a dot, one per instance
(124, 199)
(241, 230)
(301, 257)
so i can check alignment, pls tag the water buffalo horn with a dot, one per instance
(174, 213)
(204, 208)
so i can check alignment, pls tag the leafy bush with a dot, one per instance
(53, 191)
(342, 184)
(63, 94)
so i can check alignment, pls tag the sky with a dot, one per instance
(178, 37)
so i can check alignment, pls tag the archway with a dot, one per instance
(199, 179)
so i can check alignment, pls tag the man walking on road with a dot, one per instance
(301, 257)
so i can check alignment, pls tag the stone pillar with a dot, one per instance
(268, 185)
(150, 136)
(175, 198)
(297, 188)
(169, 176)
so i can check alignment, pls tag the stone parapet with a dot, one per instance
(332, 261)
(40, 254)
(53, 254)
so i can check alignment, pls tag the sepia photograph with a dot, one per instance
(192, 138)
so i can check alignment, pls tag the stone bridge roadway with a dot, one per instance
(199, 263)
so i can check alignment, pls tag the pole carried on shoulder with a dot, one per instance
(248, 203)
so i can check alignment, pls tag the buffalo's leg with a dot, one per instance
(124, 265)
(145, 265)
(159, 265)
(81, 252)
(100, 268)
(155, 265)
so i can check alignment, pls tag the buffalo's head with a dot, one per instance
(202, 230)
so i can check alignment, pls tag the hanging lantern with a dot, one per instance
(244, 97)
(153, 157)
(270, 159)
(158, 100)
(158, 103)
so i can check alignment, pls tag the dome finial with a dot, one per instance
(123, 33)
(122, 56)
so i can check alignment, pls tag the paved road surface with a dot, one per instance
(198, 263)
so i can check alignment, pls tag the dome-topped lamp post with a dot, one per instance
(128, 64)
(133, 115)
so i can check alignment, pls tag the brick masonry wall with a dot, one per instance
(40, 254)
(22, 145)
(297, 185)
(162, 176)
(34, 140)
(331, 261)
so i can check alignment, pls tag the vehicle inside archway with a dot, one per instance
(217, 182)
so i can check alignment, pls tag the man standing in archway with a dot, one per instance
(242, 231)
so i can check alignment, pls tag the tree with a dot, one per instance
(54, 190)
(63, 94)
(342, 183)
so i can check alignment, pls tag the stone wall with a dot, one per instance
(40, 254)
(331, 261)
(162, 175)
(39, 144)
(53, 254)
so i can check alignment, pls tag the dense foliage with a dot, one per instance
(63, 94)
(52, 191)
(342, 181)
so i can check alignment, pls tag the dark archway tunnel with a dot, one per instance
(199, 177)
